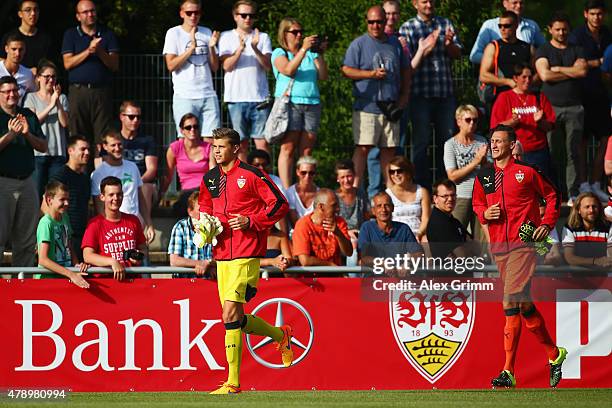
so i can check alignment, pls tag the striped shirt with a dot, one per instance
(589, 244)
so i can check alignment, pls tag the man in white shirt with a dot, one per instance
(113, 164)
(245, 54)
(191, 56)
(15, 51)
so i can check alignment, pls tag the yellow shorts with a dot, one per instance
(237, 279)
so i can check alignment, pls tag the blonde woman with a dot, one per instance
(295, 59)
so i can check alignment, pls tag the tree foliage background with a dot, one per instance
(141, 26)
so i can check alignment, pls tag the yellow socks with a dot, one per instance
(255, 325)
(233, 353)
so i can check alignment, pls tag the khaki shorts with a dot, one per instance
(374, 129)
(237, 279)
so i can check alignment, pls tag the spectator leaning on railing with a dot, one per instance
(297, 60)
(191, 56)
(587, 236)
(114, 238)
(321, 237)
(182, 250)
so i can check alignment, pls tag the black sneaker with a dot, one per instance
(555, 367)
(504, 379)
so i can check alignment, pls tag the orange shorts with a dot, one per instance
(516, 269)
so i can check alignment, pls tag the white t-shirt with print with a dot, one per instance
(193, 80)
(247, 82)
(129, 175)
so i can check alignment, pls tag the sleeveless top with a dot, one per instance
(408, 213)
(509, 56)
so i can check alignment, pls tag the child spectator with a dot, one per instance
(53, 238)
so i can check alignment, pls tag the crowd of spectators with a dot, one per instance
(66, 154)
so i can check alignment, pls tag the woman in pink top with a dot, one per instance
(191, 157)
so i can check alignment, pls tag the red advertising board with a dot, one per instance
(164, 335)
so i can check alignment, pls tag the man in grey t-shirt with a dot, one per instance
(380, 71)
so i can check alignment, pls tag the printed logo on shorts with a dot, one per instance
(241, 182)
(519, 176)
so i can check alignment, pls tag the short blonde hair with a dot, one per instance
(465, 108)
(284, 25)
(309, 160)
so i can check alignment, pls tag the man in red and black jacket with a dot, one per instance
(505, 198)
(248, 204)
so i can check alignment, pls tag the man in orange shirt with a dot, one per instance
(321, 236)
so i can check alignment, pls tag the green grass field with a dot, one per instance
(422, 399)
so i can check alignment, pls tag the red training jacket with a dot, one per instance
(247, 191)
(523, 185)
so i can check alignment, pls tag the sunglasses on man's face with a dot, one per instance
(379, 22)
(307, 173)
(470, 120)
(190, 127)
(506, 26)
(131, 116)
(247, 15)
(192, 13)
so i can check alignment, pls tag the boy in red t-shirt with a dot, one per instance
(114, 238)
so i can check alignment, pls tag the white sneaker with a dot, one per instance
(602, 195)
(585, 187)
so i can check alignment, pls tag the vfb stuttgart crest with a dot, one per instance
(432, 329)
(519, 176)
(241, 182)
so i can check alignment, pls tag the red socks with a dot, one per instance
(512, 334)
(535, 323)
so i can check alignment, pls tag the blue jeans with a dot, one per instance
(541, 159)
(374, 172)
(206, 109)
(424, 112)
(44, 168)
(247, 120)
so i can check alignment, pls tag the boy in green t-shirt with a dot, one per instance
(53, 237)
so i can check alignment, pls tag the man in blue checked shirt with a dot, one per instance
(432, 96)
(183, 252)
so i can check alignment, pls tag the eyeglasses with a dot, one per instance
(396, 171)
(506, 26)
(10, 91)
(379, 22)
(49, 77)
(296, 32)
(131, 116)
(190, 127)
(307, 173)
(247, 15)
(447, 196)
(192, 13)
(470, 120)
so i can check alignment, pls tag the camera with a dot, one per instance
(133, 254)
(390, 109)
(316, 45)
(268, 102)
